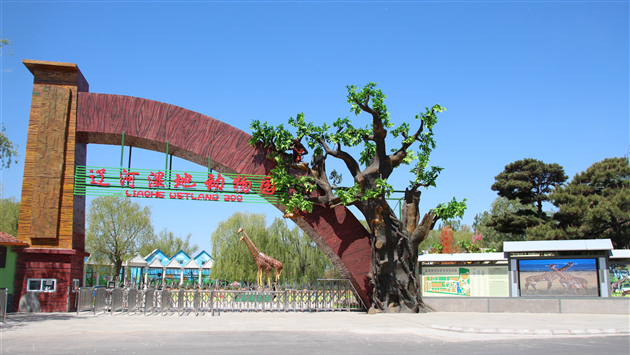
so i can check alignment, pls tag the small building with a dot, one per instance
(154, 268)
(8, 256)
(135, 269)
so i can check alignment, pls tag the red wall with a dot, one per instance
(61, 264)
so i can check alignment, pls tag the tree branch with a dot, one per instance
(351, 163)
(397, 157)
(427, 224)
(377, 127)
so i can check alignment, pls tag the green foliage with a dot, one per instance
(369, 94)
(451, 209)
(500, 208)
(423, 174)
(347, 196)
(343, 133)
(233, 260)
(356, 193)
(117, 228)
(8, 151)
(295, 187)
(466, 246)
(595, 204)
(277, 137)
(367, 154)
(9, 215)
(436, 248)
(169, 244)
(531, 181)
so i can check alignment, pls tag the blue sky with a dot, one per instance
(543, 80)
(541, 265)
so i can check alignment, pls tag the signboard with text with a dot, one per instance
(465, 280)
(174, 185)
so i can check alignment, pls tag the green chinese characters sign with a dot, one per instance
(174, 185)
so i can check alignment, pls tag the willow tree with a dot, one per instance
(116, 229)
(394, 241)
(302, 259)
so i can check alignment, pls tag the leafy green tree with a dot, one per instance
(300, 256)
(9, 215)
(531, 181)
(169, 244)
(303, 258)
(393, 273)
(116, 229)
(501, 206)
(8, 151)
(232, 259)
(595, 204)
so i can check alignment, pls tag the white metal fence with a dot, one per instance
(325, 295)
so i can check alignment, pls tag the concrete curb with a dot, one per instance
(593, 331)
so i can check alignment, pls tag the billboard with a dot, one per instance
(558, 277)
(619, 278)
(466, 281)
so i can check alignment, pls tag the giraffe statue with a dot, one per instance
(549, 276)
(567, 281)
(263, 262)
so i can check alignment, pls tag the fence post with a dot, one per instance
(180, 301)
(3, 303)
(212, 302)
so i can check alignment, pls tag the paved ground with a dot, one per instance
(321, 333)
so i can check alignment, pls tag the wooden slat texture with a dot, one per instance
(102, 118)
(150, 124)
(48, 167)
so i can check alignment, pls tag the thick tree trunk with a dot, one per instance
(117, 268)
(394, 267)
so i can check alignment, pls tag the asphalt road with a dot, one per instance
(328, 333)
(300, 342)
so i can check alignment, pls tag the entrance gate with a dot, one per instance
(65, 117)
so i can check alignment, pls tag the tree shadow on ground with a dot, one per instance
(18, 320)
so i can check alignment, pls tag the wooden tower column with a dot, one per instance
(52, 218)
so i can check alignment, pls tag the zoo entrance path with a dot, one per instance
(322, 333)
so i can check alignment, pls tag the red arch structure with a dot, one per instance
(60, 90)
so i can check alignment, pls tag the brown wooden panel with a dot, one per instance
(24, 221)
(48, 165)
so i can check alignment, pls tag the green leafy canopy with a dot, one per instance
(325, 139)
